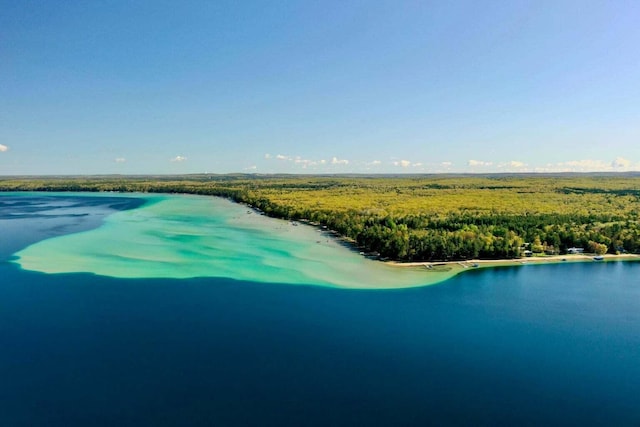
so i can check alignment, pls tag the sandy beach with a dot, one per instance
(547, 259)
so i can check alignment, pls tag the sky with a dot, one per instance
(159, 87)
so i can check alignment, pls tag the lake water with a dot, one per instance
(516, 345)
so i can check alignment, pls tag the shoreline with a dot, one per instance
(453, 268)
(449, 269)
(193, 236)
(407, 274)
(485, 263)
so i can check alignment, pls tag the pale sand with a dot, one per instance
(548, 259)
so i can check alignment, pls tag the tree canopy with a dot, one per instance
(435, 217)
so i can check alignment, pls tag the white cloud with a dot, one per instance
(337, 161)
(372, 164)
(586, 165)
(402, 163)
(589, 165)
(120, 160)
(305, 162)
(3, 148)
(474, 163)
(516, 164)
(621, 163)
(407, 164)
(178, 159)
(251, 168)
(513, 165)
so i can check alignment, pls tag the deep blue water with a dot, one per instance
(553, 344)
(28, 218)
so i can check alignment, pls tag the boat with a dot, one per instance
(598, 258)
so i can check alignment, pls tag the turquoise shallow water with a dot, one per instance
(178, 236)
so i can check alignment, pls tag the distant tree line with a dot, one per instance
(421, 218)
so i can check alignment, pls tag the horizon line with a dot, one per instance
(361, 174)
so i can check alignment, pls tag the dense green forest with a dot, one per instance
(416, 218)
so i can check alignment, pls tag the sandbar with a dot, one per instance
(186, 236)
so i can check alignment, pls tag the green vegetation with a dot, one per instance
(411, 218)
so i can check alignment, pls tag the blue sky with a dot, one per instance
(89, 87)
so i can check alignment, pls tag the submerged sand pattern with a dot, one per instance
(179, 236)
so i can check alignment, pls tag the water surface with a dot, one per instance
(537, 345)
(177, 236)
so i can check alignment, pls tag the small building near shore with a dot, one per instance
(575, 250)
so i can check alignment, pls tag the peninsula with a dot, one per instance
(422, 219)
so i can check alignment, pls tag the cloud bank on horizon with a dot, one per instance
(328, 87)
(301, 165)
(281, 163)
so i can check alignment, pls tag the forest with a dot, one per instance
(421, 217)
